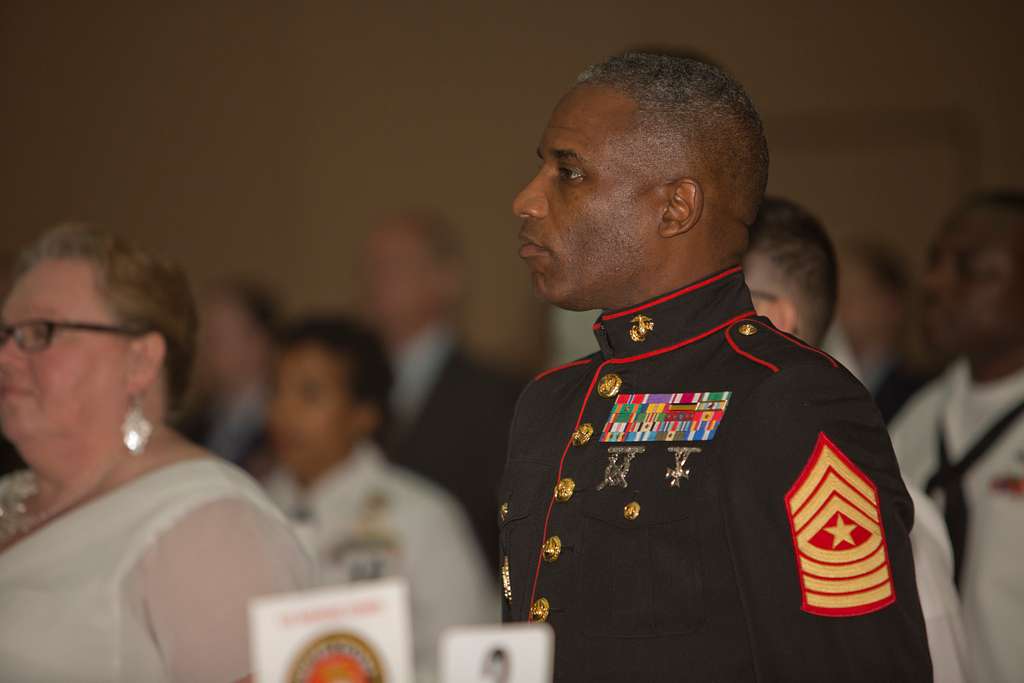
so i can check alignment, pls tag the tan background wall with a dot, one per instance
(262, 137)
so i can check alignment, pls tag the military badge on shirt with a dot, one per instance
(371, 550)
(836, 520)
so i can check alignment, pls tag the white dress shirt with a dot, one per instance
(417, 367)
(992, 581)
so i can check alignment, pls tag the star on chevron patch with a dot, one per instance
(835, 516)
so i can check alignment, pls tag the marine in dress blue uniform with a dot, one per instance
(705, 498)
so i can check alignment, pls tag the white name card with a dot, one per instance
(516, 653)
(358, 632)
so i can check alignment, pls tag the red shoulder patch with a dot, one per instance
(841, 555)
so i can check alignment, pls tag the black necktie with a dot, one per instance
(950, 477)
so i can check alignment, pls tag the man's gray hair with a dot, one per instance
(700, 111)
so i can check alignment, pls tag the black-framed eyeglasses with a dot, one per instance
(36, 335)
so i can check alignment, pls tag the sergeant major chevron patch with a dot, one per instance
(842, 558)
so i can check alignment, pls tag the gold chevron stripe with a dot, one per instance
(853, 600)
(860, 583)
(833, 484)
(828, 459)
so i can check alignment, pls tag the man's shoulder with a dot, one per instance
(785, 364)
(756, 354)
(565, 374)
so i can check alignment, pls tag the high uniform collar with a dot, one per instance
(674, 317)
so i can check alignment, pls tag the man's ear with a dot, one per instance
(146, 360)
(683, 208)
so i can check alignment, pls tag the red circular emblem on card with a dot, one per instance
(337, 658)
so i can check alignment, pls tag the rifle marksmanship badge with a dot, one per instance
(665, 417)
(836, 520)
(337, 657)
(619, 460)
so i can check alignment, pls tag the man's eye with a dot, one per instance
(570, 173)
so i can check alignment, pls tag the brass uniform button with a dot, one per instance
(503, 511)
(642, 326)
(552, 549)
(747, 329)
(609, 385)
(540, 609)
(564, 489)
(582, 434)
(631, 511)
(506, 580)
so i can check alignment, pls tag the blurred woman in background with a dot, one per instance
(126, 553)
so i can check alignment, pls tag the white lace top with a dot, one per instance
(147, 583)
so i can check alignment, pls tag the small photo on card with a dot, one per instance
(516, 653)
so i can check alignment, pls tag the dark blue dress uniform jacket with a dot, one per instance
(782, 555)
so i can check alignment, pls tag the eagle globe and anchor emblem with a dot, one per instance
(337, 658)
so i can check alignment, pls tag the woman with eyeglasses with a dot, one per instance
(126, 553)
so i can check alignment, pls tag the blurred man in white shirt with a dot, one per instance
(364, 517)
(962, 436)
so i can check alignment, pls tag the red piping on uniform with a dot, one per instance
(551, 503)
(808, 347)
(549, 371)
(749, 356)
(658, 352)
(579, 418)
(673, 295)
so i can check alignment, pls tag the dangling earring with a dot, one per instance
(136, 429)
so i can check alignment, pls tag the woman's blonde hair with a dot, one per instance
(145, 292)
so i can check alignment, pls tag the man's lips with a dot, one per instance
(531, 249)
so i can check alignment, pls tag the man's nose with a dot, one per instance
(938, 278)
(530, 202)
(935, 271)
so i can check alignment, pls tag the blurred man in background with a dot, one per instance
(962, 437)
(236, 352)
(791, 270)
(451, 413)
(364, 517)
(874, 310)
